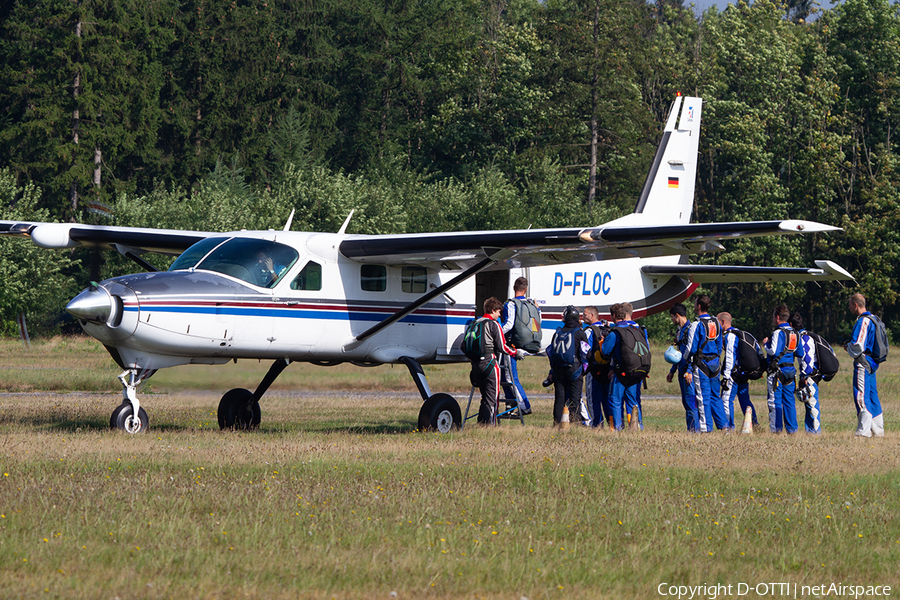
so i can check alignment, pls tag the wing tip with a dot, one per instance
(800, 226)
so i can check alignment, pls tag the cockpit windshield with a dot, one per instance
(258, 262)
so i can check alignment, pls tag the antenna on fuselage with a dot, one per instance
(287, 226)
(343, 228)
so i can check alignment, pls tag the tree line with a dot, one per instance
(428, 115)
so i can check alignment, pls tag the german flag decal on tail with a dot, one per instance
(673, 182)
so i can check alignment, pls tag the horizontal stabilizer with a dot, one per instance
(825, 270)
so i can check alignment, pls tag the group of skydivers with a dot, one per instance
(611, 360)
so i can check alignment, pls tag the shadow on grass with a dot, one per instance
(49, 424)
(55, 422)
(92, 424)
(355, 428)
(66, 423)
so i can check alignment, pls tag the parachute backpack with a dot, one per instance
(880, 346)
(598, 364)
(791, 343)
(713, 331)
(827, 363)
(635, 354)
(563, 351)
(526, 329)
(473, 339)
(751, 365)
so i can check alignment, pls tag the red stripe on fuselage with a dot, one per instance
(150, 304)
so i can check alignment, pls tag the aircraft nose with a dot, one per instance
(93, 305)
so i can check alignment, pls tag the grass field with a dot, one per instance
(336, 496)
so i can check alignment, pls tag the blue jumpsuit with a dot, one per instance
(688, 401)
(865, 387)
(731, 389)
(507, 320)
(619, 393)
(784, 342)
(808, 389)
(597, 387)
(703, 354)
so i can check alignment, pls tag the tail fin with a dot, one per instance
(668, 194)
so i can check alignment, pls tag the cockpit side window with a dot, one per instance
(309, 279)
(257, 262)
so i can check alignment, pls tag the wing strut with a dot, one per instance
(494, 255)
(140, 261)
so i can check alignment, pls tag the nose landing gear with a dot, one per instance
(129, 416)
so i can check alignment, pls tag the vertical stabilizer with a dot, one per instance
(668, 194)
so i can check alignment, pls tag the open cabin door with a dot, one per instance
(490, 283)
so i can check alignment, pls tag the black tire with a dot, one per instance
(114, 417)
(121, 419)
(440, 413)
(238, 410)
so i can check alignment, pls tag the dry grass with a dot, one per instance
(337, 496)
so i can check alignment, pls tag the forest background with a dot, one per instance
(445, 115)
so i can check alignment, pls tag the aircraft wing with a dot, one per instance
(825, 271)
(70, 235)
(462, 250)
(535, 247)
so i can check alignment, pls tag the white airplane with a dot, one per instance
(327, 298)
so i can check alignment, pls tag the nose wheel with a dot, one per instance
(123, 418)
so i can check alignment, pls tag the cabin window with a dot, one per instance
(373, 278)
(309, 279)
(254, 261)
(413, 280)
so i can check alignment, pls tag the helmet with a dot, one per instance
(571, 314)
(673, 355)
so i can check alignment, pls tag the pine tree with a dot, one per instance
(83, 96)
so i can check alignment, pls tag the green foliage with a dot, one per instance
(83, 95)
(660, 330)
(596, 113)
(872, 247)
(221, 203)
(36, 282)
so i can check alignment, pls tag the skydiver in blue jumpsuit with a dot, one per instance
(865, 387)
(732, 389)
(704, 349)
(678, 314)
(781, 349)
(622, 394)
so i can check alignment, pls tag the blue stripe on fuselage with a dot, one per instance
(295, 313)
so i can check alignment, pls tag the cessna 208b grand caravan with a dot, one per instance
(327, 298)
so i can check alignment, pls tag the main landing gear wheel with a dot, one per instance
(440, 413)
(123, 419)
(238, 410)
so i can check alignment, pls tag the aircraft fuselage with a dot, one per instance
(322, 301)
